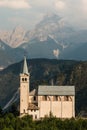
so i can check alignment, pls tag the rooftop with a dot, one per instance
(56, 90)
(25, 67)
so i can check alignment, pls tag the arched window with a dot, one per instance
(66, 98)
(25, 79)
(24, 110)
(35, 116)
(22, 79)
(55, 98)
(44, 98)
(34, 98)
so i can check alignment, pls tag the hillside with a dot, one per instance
(41, 49)
(5, 53)
(44, 71)
(76, 53)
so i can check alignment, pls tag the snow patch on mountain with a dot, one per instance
(56, 53)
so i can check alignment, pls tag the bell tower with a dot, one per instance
(24, 89)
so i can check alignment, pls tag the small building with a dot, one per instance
(58, 100)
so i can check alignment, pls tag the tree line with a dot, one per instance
(9, 121)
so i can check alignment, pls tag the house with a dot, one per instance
(58, 100)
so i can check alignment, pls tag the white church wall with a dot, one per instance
(56, 109)
(60, 109)
(34, 113)
(44, 108)
(32, 100)
(67, 110)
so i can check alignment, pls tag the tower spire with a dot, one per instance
(25, 67)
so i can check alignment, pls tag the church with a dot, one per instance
(58, 100)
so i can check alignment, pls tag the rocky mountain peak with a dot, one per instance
(13, 38)
(17, 36)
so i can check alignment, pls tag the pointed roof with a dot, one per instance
(25, 67)
(32, 107)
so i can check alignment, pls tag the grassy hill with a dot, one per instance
(44, 71)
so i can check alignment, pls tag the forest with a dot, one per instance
(9, 121)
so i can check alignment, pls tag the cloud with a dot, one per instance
(84, 5)
(72, 11)
(15, 19)
(76, 7)
(60, 5)
(15, 4)
(41, 3)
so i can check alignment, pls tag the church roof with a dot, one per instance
(32, 107)
(56, 90)
(25, 67)
(33, 92)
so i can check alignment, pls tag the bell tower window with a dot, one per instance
(22, 79)
(25, 79)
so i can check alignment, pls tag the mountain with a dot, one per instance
(51, 38)
(44, 71)
(40, 49)
(79, 37)
(5, 55)
(33, 49)
(15, 37)
(77, 52)
(51, 26)
(4, 35)
(9, 55)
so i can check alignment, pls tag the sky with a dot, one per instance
(29, 12)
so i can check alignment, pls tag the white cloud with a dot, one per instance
(41, 2)
(15, 19)
(15, 4)
(73, 11)
(60, 5)
(84, 5)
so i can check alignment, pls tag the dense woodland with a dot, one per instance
(44, 71)
(11, 122)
